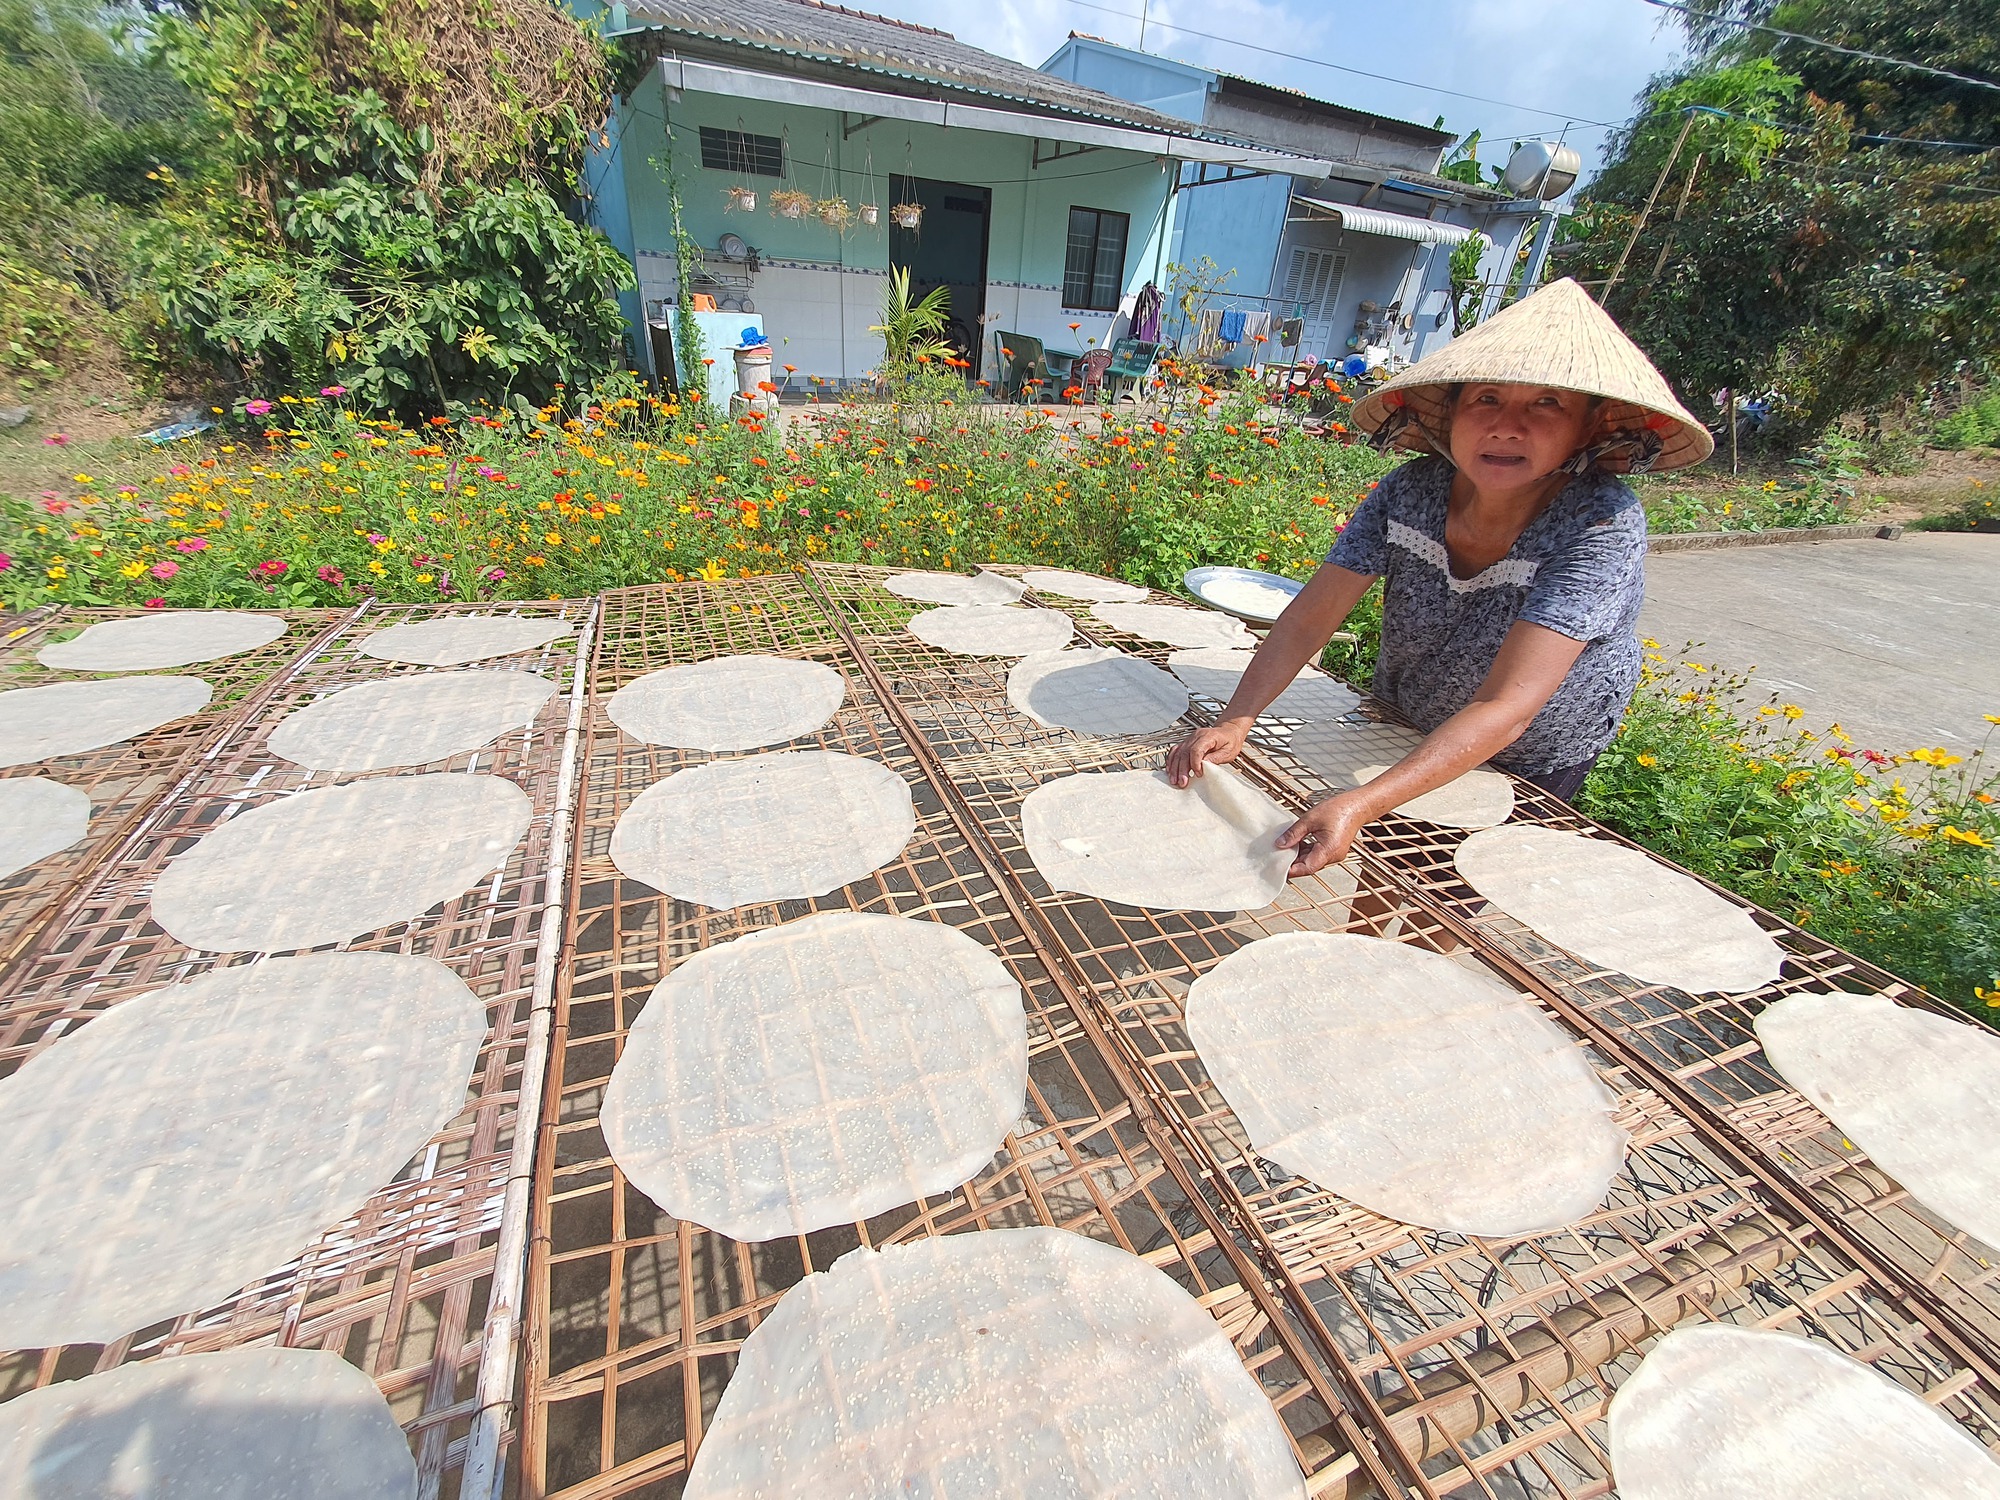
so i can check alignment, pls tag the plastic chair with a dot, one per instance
(1089, 371)
(1022, 359)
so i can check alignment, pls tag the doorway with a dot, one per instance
(947, 249)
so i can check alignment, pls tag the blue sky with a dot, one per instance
(1584, 60)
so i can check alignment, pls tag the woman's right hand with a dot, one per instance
(1219, 743)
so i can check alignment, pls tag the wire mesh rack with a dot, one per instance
(122, 780)
(400, 1288)
(1482, 1367)
(635, 1318)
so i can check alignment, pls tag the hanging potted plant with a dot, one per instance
(870, 213)
(744, 198)
(906, 215)
(790, 203)
(835, 213)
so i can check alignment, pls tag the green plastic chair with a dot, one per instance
(1022, 358)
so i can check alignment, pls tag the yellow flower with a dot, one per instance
(713, 571)
(1793, 711)
(133, 569)
(1991, 997)
(58, 573)
(377, 569)
(1649, 761)
(83, 479)
(1991, 718)
(1970, 836)
(1937, 756)
(425, 578)
(553, 538)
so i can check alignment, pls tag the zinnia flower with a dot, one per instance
(330, 574)
(6, 562)
(256, 408)
(191, 544)
(333, 390)
(156, 604)
(271, 567)
(165, 570)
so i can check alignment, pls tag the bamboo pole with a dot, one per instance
(1687, 124)
(1680, 208)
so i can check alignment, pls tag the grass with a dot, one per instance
(1888, 854)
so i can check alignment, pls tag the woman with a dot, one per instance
(1513, 560)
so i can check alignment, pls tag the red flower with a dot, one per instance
(271, 567)
(156, 604)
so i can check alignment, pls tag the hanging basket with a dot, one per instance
(871, 213)
(790, 203)
(743, 198)
(906, 215)
(835, 213)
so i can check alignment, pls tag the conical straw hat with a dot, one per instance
(1557, 337)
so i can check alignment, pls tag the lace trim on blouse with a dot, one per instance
(1508, 572)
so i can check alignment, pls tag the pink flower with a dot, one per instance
(57, 440)
(55, 507)
(165, 570)
(330, 574)
(496, 575)
(191, 544)
(256, 408)
(6, 562)
(333, 390)
(156, 604)
(271, 567)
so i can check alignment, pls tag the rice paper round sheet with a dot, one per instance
(1247, 596)
(193, 1139)
(1722, 1413)
(818, 1073)
(795, 824)
(1919, 1092)
(38, 817)
(955, 588)
(1214, 671)
(236, 1424)
(1612, 906)
(68, 718)
(330, 864)
(992, 629)
(1351, 754)
(410, 721)
(1397, 1078)
(1086, 586)
(1133, 836)
(458, 639)
(148, 643)
(729, 702)
(1095, 691)
(1174, 626)
(1006, 1362)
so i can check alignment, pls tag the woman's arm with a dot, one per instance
(1531, 664)
(1297, 638)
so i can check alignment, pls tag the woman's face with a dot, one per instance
(1507, 437)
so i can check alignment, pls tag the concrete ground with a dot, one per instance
(1897, 641)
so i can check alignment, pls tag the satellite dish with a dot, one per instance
(735, 247)
(1541, 169)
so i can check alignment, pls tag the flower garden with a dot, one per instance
(305, 500)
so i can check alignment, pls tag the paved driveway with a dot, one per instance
(1898, 641)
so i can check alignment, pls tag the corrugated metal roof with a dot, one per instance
(1358, 220)
(887, 48)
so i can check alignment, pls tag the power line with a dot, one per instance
(1817, 41)
(1411, 83)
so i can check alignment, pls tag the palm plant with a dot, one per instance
(910, 329)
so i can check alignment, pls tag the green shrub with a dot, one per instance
(1974, 425)
(1890, 855)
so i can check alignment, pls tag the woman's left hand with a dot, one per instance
(1324, 835)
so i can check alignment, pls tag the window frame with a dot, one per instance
(1090, 301)
(741, 152)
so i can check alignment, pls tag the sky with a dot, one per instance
(1546, 62)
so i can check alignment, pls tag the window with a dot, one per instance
(1094, 268)
(743, 154)
(1312, 282)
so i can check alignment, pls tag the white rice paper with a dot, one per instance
(457, 639)
(1612, 906)
(195, 1138)
(1133, 836)
(793, 824)
(729, 703)
(1354, 753)
(38, 817)
(1722, 1413)
(1172, 625)
(411, 720)
(992, 629)
(818, 1073)
(234, 1424)
(1008, 1362)
(151, 643)
(1919, 1092)
(1250, 597)
(1095, 691)
(334, 863)
(1086, 586)
(955, 588)
(68, 718)
(1214, 671)
(1397, 1078)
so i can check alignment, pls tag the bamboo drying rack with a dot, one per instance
(1402, 1361)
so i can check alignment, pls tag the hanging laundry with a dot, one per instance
(1146, 314)
(1230, 329)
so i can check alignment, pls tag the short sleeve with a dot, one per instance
(1363, 546)
(1592, 587)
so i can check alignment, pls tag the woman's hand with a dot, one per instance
(1324, 835)
(1220, 743)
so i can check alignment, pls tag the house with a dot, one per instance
(1360, 252)
(1042, 204)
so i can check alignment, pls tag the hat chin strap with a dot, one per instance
(1640, 447)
